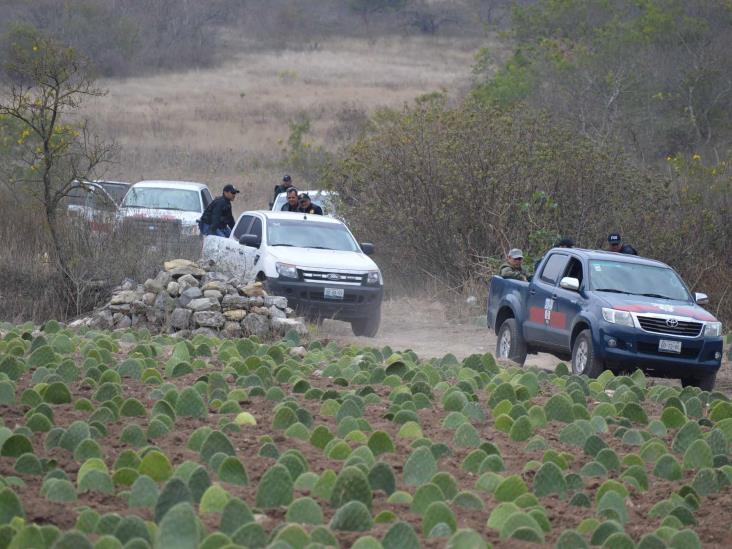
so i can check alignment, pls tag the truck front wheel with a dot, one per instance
(705, 383)
(367, 327)
(511, 344)
(584, 360)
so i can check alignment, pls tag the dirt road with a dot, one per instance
(426, 329)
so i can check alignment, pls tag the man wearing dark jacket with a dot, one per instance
(616, 245)
(217, 219)
(282, 187)
(307, 206)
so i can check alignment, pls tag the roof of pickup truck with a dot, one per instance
(607, 255)
(165, 184)
(269, 214)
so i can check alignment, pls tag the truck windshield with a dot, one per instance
(163, 199)
(309, 234)
(636, 279)
(115, 190)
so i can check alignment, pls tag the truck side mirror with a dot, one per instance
(569, 283)
(367, 248)
(701, 299)
(251, 240)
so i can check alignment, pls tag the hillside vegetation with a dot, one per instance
(609, 116)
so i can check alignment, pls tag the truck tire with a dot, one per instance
(366, 327)
(511, 344)
(705, 383)
(584, 360)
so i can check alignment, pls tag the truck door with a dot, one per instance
(228, 255)
(252, 253)
(568, 304)
(542, 314)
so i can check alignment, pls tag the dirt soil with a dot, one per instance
(427, 329)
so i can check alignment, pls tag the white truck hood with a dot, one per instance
(327, 260)
(186, 218)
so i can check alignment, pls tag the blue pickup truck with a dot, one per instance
(604, 310)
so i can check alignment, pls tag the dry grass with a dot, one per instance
(228, 124)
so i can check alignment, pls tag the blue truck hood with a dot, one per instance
(643, 304)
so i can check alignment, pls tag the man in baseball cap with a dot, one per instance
(217, 219)
(616, 245)
(282, 187)
(308, 206)
(513, 268)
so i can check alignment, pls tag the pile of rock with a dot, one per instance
(186, 298)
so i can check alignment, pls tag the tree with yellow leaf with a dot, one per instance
(47, 145)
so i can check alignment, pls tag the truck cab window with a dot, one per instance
(574, 269)
(206, 198)
(241, 227)
(553, 268)
(256, 228)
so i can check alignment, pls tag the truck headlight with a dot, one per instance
(374, 278)
(286, 270)
(613, 316)
(713, 329)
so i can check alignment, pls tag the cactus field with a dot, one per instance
(125, 439)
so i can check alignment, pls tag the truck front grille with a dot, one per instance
(325, 277)
(660, 325)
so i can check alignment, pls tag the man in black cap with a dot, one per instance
(616, 245)
(217, 219)
(307, 205)
(282, 187)
(293, 202)
(564, 242)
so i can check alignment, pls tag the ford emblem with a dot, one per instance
(332, 276)
(672, 323)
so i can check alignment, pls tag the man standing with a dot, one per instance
(282, 187)
(292, 204)
(513, 268)
(217, 219)
(307, 206)
(616, 245)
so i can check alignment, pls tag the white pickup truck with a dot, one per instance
(314, 261)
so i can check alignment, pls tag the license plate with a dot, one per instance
(333, 293)
(668, 346)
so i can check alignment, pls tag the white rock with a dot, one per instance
(173, 288)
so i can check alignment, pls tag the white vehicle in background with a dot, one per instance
(312, 260)
(96, 202)
(174, 206)
(324, 199)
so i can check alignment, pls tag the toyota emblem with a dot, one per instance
(672, 322)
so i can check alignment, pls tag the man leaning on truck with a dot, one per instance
(217, 218)
(513, 268)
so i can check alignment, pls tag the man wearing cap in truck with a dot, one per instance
(616, 245)
(513, 268)
(217, 219)
(307, 205)
(282, 187)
